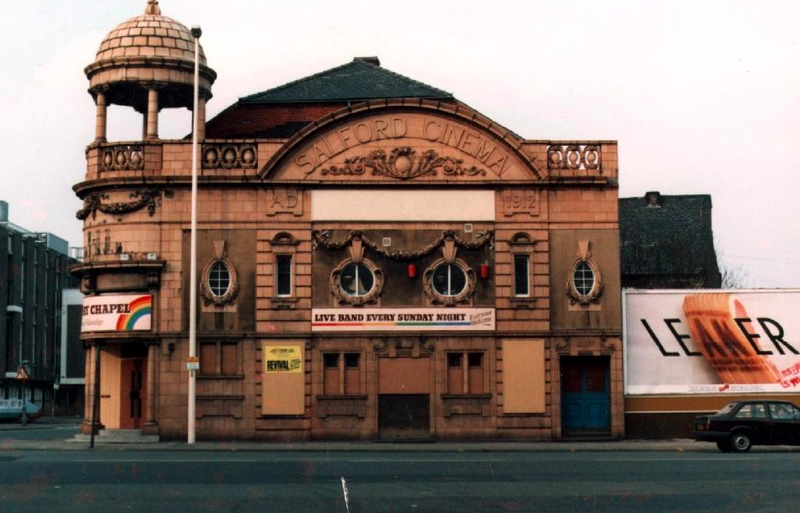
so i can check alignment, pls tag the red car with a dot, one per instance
(742, 424)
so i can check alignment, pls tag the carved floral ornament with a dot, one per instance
(323, 238)
(141, 199)
(403, 164)
(122, 157)
(229, 156)
(573, 156)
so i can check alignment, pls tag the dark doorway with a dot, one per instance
(585, 394)
(404, 416)
(133, 393)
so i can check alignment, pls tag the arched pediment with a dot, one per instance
(407, 140)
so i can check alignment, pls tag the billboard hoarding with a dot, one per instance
(711, 342)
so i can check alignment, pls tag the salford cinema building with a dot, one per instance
(376, 259)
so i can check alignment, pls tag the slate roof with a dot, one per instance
(667, 236)
(359, 80)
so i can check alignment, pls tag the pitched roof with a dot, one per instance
(666, 235)
(361, 79)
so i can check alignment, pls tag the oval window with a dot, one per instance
(583, 279)
(356, 280)
(449, 280)
(219, 279)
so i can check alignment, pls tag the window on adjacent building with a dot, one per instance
(465, 372)
(283, 264)
(219, 359)
(341, 373)
(522, 275)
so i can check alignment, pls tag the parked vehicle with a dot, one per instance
(11, 409)
(740, 425)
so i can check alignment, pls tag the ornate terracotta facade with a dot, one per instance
(399, 267)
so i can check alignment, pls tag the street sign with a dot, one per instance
(193, 363)
(22, 374)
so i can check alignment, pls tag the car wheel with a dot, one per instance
(724, 445)
(740, 441)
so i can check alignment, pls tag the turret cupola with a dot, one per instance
(147, 63)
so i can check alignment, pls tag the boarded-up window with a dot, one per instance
(523, 376)
(208, 359)
(475, 373)
(283, 387)
(352, 373)
(283, 274)
(455, 374)
(230, 359)
(331, 373)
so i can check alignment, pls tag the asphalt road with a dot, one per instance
(152, 481)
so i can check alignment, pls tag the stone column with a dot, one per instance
(201, 119)
(152, 114)
(152, 369)
(101, 120)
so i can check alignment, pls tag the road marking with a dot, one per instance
(271, 460)
(678, 459)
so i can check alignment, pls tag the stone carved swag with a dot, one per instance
(357, 243)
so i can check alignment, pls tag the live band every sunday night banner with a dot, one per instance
(702, 342)
(124, 312)
(403, 319)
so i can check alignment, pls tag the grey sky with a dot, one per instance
(703, 97)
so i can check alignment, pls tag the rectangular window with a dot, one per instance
(475, 373)
(219, 359)
(465, 373)
(283, 285)
(330, 376)
(230, 359)
(208, 359)
(455, 374)
(352, 373)
(341, 373)
(521, 276)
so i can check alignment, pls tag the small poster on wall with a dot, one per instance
(283, 359)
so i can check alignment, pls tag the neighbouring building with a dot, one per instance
(376, 260)
(667, 242)
(35, 274)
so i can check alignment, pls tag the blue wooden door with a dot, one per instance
(585, 393)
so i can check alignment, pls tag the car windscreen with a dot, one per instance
(727, 408)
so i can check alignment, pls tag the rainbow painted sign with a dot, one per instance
(403, 319)
(128, 312)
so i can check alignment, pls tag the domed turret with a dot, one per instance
(147, 63)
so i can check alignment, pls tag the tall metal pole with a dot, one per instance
(196, 32)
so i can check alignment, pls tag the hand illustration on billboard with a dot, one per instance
(721, 337)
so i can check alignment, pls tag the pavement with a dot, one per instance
(64, 431)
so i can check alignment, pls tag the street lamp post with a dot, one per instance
(196, 33)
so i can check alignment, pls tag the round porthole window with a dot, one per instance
(356, 280)
(449, 280)
(583, 279)
(219, 279)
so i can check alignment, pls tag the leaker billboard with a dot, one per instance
(709, 342)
